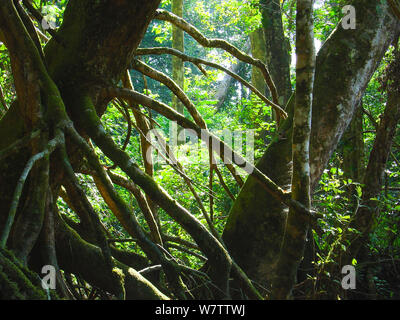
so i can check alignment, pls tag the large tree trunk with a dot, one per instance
(352, 55)
(277, 48)
(87, 54)
(90, 53)
(257, 42)
(365, 218)
(297, 225)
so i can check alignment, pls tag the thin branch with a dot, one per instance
(125, 113)
(395, 7)
(371, 118)
(18, 144)
(2, 100)
(174, 246)
(395, 159)
(210, 184)
(141, 200)
(173, 162)
(95, 223)
(29, 26)
(224, 151)
(169, 158)
(51, 146)
(169, 238)
(170, 83)
(223, 184)
(197, 61)
(39, 18)
(218, 43)
(179, 168)
(144, 126)
(161, 77)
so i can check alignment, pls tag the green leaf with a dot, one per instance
(359, 191)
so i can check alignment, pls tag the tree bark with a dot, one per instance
(258, 51)
(277, 48)
(297, 225)
(367, 212)
(353, 153)
(178, 71)
(255, 215)
(365, 218)
(87, 53)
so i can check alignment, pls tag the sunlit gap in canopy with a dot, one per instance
(317, 45)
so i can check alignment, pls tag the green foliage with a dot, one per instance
(240, 15)
(336, 196)
(6, 81)
(326, 17)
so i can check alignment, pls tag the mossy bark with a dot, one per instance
(353, 153)
(277, 48)
(93, 47)
(366, 216)
(17, 282)
(297, 225)
(257, 216)
(77, 256)
(258, 51)
(352, 55)
(178, 72)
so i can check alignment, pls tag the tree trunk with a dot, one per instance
(297, 225)
(178, 71)
(225, 83)
(353, 153)
(367, 212)
(277, 48)
(255, 215)
(365, 218)
(257, 41)
(87, 54)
